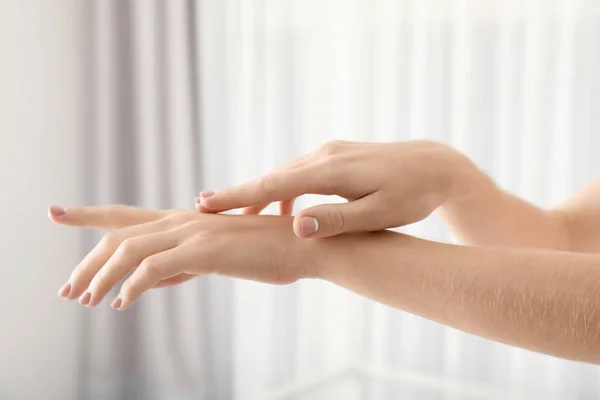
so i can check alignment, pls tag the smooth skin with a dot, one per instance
(388, 185)
(542, 300)
(165, 248)
(510, 285)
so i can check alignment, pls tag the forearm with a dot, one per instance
(543, 301)
(480, 213)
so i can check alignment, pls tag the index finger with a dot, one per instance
(277, 186)
(105, 217)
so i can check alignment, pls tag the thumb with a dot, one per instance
(334, 219)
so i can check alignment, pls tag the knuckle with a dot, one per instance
(334, 175)
(150, 267)
(336, 220)
(266, 183)
(333, 164)
(110, 240)
(129, 246)
(331, 148)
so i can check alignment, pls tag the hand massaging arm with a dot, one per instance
(394, 184)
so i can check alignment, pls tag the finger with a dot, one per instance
(255, 210)
(107, 217)
(301, 161)
(200, 208)
(286, 207)
(152, 270)
(85, 271)
(276, 186)
(176, 280)
(128, 256)
(333, 219)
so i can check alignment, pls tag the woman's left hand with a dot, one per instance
(164, 248)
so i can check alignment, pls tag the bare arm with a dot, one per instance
(395, 184)
(582, 216)
(540, 300)
(483, 214)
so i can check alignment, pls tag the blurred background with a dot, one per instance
(148, 102)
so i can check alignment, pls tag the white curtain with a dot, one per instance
(196, 95)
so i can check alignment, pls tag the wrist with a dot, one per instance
(464, 179)
(336, 258)
(311, 254)
(321, 257)
(332, 257)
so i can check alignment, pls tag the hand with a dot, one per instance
(165, 248)
(387, 185)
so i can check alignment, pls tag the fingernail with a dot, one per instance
(116, 303)
(207, 194)
(197, 200)
(308, 225)
(65, 290)
(57, 211)
(85, 298)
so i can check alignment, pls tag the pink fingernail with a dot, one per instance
(116, 303)
(65, 290)
(85, 298)
(57, 211)
(206, 194)
(308, 225)
(197, 200)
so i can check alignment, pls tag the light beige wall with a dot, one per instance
(40, 122)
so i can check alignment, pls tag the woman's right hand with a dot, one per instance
(167, 247)
(386, 184)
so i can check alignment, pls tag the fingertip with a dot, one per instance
(77, 288)
(201, 209)
(65, 290)
(206, 198)
(306, 226)
(297, 229)
(85, 299)
(55, 211)
(207, 205)
(122, 302)
(116, 303)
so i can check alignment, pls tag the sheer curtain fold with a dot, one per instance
(192, 95)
